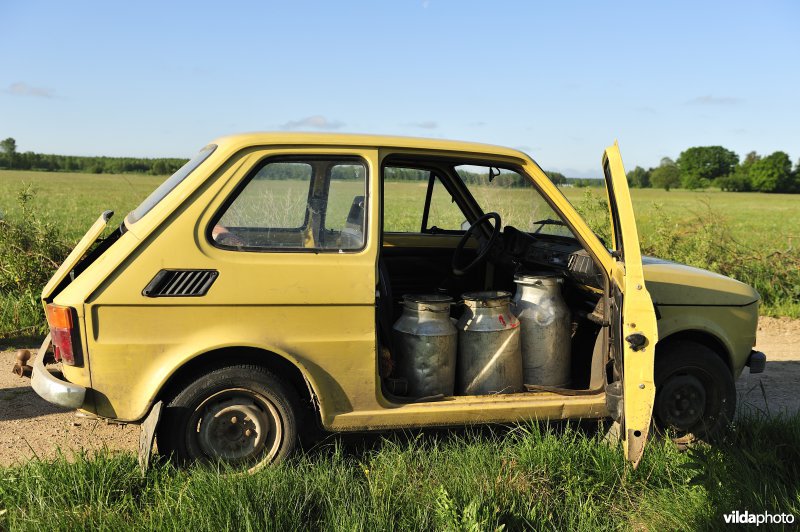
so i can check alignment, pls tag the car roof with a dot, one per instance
(244, 140)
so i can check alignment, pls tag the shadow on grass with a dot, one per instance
(356, 444)
(25, 341)
(756, 467)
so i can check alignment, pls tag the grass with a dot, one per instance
(532, 476)
(760, 231)
(75, 201)
(760, 221)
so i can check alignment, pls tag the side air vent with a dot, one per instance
(180, 283)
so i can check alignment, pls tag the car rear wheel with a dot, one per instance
(695, 392)
(240, 415)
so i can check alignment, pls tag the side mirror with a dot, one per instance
(465, 225)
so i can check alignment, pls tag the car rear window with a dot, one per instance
(171, 182)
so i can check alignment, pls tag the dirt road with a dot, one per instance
(31, 427)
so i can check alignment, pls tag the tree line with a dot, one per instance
(696, 168)
(714, 166)
(503, 178)
(11, 159)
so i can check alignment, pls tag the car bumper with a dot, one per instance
(757, 361)
(50, 387)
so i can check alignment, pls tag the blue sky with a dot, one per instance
(560, 80)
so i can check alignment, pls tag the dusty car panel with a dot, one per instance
(259, 283)
(678, 284)
(299, 292)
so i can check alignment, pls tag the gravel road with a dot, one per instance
(31, 427)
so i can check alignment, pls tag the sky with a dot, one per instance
(558, 80)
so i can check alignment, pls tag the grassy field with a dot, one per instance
(528, 477)
(531, 476)
(749, 236)
(761, 221)
(76, 200)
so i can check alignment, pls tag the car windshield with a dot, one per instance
(167, 186)
(514, 198)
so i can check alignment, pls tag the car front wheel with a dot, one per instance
(695, 392)
(240, 415)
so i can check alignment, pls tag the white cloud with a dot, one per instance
(313, 122)
(427, 124)
(23, 89)
(708, 99)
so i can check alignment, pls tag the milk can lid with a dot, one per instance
(542, 277)
(432, 302)
(487, 298)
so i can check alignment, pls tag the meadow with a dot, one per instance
(749, 236)
(763, 222)
(542, 477)
(554, 477)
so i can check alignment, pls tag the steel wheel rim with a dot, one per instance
(237, 426)
(683, 401)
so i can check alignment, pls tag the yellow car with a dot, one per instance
(264, 288)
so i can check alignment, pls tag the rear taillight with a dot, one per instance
(63, 333)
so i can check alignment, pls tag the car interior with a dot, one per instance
(474, 226)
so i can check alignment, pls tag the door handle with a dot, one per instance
(637, 341)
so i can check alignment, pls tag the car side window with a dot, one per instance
(444, 214)
(513, 196)
(404, 191)
(300, 204)
(415, 201)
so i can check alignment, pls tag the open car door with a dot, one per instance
(633, 329)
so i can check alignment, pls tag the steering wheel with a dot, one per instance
(483, 247)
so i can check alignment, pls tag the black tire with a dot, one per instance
(241, 415)
(695, 392)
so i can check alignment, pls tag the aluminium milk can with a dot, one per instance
(489, 357)
(425, 343)
(545, 327)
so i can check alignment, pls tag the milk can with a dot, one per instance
(546, 326)
(489, 358)
(425, 343)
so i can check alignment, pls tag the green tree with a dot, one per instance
(738, 181)
(159, 167)
(796, 176)
(666, 176)
(639, 178)
(556, 177)
(692, 182)
(9, 147)
(705, 163)
(773, 173)
(749, 159)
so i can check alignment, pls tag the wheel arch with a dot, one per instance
(703, 338)
(278, 364)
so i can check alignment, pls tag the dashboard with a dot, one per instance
(551, 252)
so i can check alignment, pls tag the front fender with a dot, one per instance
(733, 328)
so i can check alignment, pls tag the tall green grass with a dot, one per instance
(704, 237)
(541, 477)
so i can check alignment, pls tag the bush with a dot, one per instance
(30, 250)
(738, 181)
(692, 182)
(594, 210)
(705, 241)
